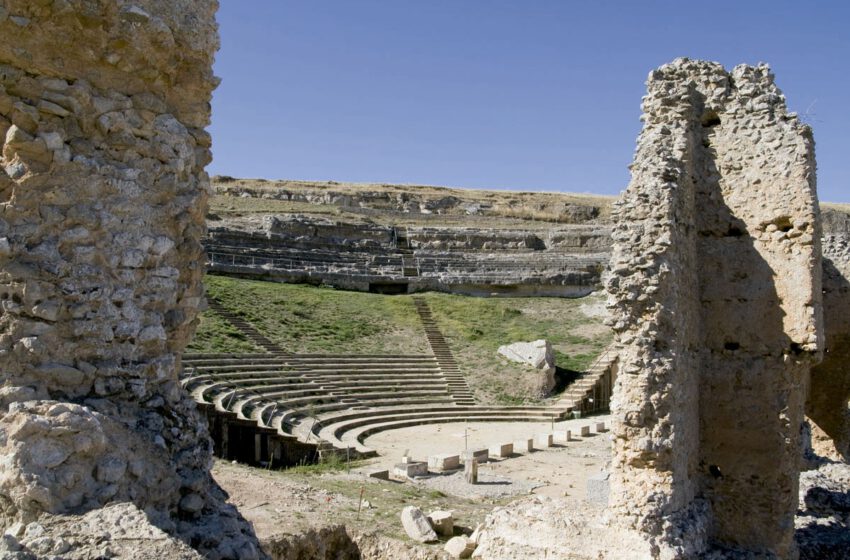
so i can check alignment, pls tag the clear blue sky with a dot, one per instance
(521, 94)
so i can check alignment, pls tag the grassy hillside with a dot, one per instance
(476, 327)
(323, 320)
(308, 319)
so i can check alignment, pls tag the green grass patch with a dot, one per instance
(309, 319)
(214, 334)
(332, 463)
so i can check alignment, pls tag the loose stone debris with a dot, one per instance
(416, 525)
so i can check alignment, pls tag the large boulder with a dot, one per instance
(538, 355)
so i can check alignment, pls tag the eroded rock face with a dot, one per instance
(103, 106)
(715, 290)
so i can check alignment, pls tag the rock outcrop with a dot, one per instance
(540, 357)
(567, 261)
(103, 106)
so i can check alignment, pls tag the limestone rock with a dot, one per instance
(442, 522)
(538, 355)
(416, 525)
(460, 547)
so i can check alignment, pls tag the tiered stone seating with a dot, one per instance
(334, 402)
(446, 259)
(339, 400)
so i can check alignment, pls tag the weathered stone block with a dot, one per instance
(501, 450)
(443, 522)
(460, 547)
(598, 488)
(524, 445)
(543, 441)
(410, 470)
(480, 455)
(382, 474)
(562, 436)
(442, 463)
(416, 525)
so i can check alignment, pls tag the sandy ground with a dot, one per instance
(282, 502)
(561, 470)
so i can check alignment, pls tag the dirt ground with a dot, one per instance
(286, 503)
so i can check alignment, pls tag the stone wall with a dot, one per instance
(828, 405)
(103, 106)
(715, 290)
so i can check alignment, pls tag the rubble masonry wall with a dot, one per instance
(103, 194)
(715, 293)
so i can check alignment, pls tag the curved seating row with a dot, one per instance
(341, 400)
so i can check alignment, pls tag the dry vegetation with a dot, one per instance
(839, 206)
(527, 207)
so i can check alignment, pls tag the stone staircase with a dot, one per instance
(591, 391)
(251, 333)
(440, 348)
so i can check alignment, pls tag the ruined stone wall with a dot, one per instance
(103, 106)
(715, 290)
(828, 405)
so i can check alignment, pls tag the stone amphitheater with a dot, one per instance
(284, 408)
(727, 285)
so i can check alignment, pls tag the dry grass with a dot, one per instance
(839, 206)
(524, 206)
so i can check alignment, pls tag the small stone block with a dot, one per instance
(562, 436)
(502, 450)
(600, 427)
(380, 474)
(442, 522)
(480, 455)
(598, 488)
(441, 463)
(409, 470)
(524, 445)
(585, 431)
(543, 441)
(460, 547)
(470, 471)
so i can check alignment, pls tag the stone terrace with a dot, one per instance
(567, 261)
